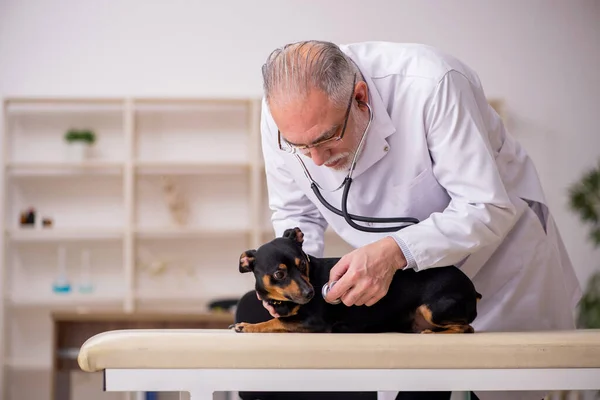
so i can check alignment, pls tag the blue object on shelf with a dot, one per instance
(61, 287)
(86, 288)
(61, 284)
(85, 284)
(151, 396)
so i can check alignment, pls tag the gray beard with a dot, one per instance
(361, 121)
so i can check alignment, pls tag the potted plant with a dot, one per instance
(584, 199)
(79, 143)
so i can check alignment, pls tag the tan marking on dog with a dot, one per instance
(293, 289)
(299, 235)
(306, 279)
(307, 268)
(272, 326)
(426, 313)
(452, 329)
(294, 310)
(274, 292)
(424, 317)
(280, 292)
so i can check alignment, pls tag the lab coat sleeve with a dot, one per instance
(289, 205)
(480, 211)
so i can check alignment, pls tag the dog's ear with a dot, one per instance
(247, 260)
(294, 234)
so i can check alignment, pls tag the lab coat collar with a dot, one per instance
(375, 146)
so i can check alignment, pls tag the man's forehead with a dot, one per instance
(309, 111)
(306, 124)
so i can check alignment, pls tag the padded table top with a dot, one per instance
(221, 348)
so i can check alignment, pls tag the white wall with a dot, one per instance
(540, 56)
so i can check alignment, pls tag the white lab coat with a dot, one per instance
(438, 152)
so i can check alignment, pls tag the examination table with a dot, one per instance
(207, 360)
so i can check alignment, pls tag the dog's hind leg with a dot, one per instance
(442, 317)
(451, 329)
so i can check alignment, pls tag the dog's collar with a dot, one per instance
(306, 257)
(274, 302)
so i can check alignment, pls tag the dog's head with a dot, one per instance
(281, 269)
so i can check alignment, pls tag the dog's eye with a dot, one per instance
(279, 275)
(302, 265)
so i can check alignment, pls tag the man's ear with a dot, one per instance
(247, 260)
(294, 234)
(361, 92)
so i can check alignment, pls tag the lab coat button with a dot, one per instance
(386, 148)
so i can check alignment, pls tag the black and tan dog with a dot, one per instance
(436, 300)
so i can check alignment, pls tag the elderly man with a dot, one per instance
(412, 128)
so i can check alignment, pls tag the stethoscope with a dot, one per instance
(346, 185)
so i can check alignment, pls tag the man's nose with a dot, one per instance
(318, 156)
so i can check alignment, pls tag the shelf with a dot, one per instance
(52, 235)
(215, 133)
(71, 300)
(63, 105)
(35, 169)
(177, 298)
(199, 304)
(165, 104)
(115, 205)
(23, 364)
(184, 168)
(57, 235)
(188, 233)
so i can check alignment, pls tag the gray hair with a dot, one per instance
(291, 71)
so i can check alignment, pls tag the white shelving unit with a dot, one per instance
(113, 205)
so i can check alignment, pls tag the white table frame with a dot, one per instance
(202, 383)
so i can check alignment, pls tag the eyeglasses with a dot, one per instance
(294, 149)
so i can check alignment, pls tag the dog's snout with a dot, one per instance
(308, 293)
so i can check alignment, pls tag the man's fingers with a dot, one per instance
(338, 270)
(339, 276)
(364, 295)
(358, 295)
(340, 287)
(375, 296)
(372, 301)
(349, 297)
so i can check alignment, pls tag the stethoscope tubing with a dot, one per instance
(350, 218)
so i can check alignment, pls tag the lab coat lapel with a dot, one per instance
(376, 146)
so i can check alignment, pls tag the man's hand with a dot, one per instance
(364, 275)
(269, 308)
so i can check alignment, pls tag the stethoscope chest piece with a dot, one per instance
(325, 289)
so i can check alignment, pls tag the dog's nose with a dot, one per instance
(308, 293)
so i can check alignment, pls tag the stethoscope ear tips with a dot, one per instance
(326, 288)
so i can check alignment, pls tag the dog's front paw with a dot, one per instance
(241, 327)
